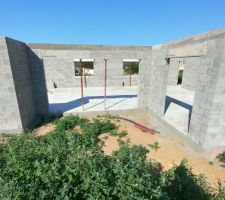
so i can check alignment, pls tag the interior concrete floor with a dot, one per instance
(179, 108)
(68, 100)
(181, 94)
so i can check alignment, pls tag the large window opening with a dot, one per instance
(130, 66)
(86, 65)
(179, 100)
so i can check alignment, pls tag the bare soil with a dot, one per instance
(43, 130)
(171, 152)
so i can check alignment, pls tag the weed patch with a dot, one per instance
(64, 165)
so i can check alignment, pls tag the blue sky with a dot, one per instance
(113, 22)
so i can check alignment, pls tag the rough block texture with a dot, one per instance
(204, 58)
(21, 97)
(208, 118)
(58, 61)
(27, 70)
(9, 111)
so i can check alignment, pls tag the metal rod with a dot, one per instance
(81, 85)
(105, 85)
(85, 80)
(130, 74)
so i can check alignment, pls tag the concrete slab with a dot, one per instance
(179, 111)
(178, 117)
(68, 100)
(181, 94)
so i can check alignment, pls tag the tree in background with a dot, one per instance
(131, 67)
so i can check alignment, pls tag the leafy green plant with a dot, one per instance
(155, 146)
(120, 134)
(180, 77)
(68, 122)
(67, 165)
(131, 67)
(211, 163)
(181, 183)
(221, 157)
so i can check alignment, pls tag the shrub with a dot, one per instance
(155, 146)
(221, 157)
(68, 165)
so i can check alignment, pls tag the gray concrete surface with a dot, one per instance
(176, 114)
(59, 63)
(68, 100)
(204, 66)
(28, 69)
(181, 94)
(23, 99)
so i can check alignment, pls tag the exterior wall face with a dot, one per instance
(21, 76)
(158, 80)
(190, 73)
(207, 124)
(9, 112)
(38, 84)
(173, 72)
(154, 88)
(144, 73)
(204, 72)
(23, 96)
(59, 65)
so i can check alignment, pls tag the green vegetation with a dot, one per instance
(85, 65)
(221, 157)
(88, 65)
(154, 146)
(131, 68)
(180, 77)
(66, 164)
(211, 163)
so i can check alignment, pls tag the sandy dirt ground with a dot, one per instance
(171, 150)
(43, 130)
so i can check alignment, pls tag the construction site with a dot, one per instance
(176, 89)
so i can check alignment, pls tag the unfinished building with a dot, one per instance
(193, 102)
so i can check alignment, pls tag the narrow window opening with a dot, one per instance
(180, 77)
(180, 73)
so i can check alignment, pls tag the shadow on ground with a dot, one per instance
(63, 107)
(170, 100)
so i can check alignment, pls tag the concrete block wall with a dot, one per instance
(144, 82)
(190, 74)
(173, 71)
(190, 71)
(207, 124)
(22, 80)
(18, 91)
(59, 65)
(38, 84)
(203, 72)
(9, 111)
(27, 71)
(156, 75)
